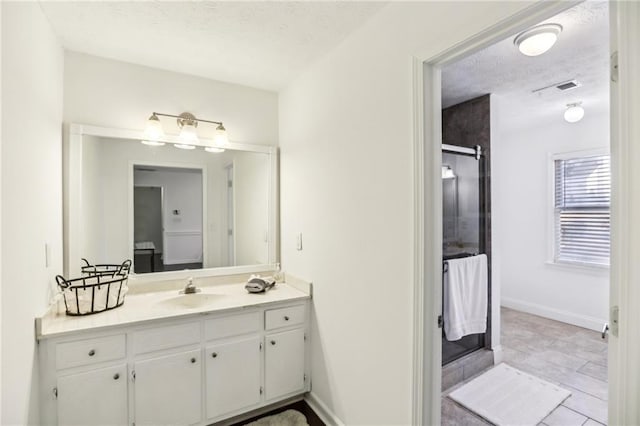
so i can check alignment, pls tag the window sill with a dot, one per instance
(584, 267)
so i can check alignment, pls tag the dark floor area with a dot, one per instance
(145, 263)
(301, 406)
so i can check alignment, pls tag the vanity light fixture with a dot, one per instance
(447, 172)
(537, 40)
(574, 112)
(188, 124)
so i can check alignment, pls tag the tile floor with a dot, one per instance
(569, 356)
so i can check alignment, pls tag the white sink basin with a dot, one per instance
(191, 301)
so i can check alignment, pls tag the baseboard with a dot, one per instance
(498, 355)
(555, 314)
(321, 409)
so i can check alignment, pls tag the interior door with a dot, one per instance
(624, 343)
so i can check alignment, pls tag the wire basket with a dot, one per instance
(106, 269)
(93, 294)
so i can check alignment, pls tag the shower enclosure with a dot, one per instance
(464, 225)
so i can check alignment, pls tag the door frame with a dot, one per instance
(427, 218)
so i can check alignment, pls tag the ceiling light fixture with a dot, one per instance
(188, 124)
(574, 112)
(537, 40)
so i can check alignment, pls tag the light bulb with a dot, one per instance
(188, 134)
(573, 113)
(153, 131)
(220, 138)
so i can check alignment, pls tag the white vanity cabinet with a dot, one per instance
(284, 363)
(194, 370)
(233, 377)
(95, 397)
(168, 389)
(285, 343)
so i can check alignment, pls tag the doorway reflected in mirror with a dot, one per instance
(167, 224)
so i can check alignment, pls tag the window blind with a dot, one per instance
(582, 210)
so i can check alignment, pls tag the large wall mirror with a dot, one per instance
(171, 211)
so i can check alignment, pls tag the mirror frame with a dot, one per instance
(72, 200)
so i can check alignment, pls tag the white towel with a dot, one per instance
(465, 297)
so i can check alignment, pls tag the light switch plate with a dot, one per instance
(299, 241)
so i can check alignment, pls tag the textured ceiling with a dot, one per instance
(258, 44)
(581, 53)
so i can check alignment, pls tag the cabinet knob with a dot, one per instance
(92, 352)
(116, 376)
(273, 342)
(193, 360)
(214, 355)
(286, 318)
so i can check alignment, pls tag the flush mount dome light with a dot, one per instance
(574, 112)
(537, 40)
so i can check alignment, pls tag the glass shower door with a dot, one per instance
(463, 229)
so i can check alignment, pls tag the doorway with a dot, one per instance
(626, 17)
(549, 208)
(148, 227)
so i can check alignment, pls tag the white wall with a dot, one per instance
(346, 184)
(109, 93)
(521, 187)
(182, 191)
(31, 153)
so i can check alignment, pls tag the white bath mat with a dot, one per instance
(506, 396)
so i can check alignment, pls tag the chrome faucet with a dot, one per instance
(190, 288)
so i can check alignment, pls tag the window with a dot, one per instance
(582, 209)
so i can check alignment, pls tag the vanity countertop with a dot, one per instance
(145, 307)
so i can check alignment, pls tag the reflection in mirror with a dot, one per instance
(460, 204)
(175, 194)
(172, 209)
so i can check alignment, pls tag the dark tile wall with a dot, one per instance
(469, 124)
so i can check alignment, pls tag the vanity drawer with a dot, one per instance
(233, 325)
(90, 351)
(283, 317)
(156, 339)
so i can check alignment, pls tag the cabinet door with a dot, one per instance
(168, 390)
(97, 397)
(232, 376)
(284, 363)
